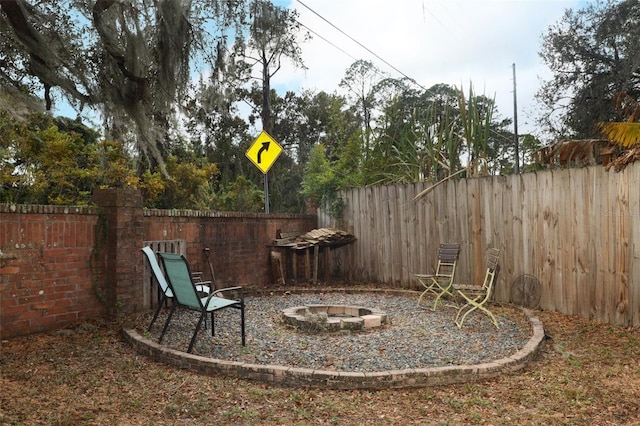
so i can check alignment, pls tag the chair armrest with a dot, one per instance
(222, 290)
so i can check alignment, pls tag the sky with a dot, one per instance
(456, 42)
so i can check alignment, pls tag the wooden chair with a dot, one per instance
(475, 296)
(202, 286)
(186, 296)
(441, 283)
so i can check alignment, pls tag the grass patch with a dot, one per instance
(587, 373)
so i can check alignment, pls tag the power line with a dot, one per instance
(433, 15)
(361, 45)
(330, 43)
(376, 70)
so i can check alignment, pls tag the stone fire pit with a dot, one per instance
(333, 317)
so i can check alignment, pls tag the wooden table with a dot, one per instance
(294, 250)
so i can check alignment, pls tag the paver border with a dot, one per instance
(327, 379)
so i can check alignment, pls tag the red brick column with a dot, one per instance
(118, 242)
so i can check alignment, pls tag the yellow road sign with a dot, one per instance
(264, 151)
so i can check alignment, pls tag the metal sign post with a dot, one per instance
(266, 193)
(263, 152)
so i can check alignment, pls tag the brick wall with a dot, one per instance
(47, 267)
(63, 265)
(238, 243)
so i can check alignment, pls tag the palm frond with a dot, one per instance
(626, 134)
(441, 181)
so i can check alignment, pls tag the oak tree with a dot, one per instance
(593, 54)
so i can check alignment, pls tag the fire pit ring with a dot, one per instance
(330, 318)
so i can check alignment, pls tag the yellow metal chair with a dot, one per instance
(441, 283)
(476, 296)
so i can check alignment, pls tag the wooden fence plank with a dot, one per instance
(610, 287)
(406, 230)
(486, 226)
(418, 211)
(418, 251)
(601, 240)
(349, 224)
(595, 218)
(622, 253)
(581, 232)
(476, 245)
(464, 271)
(367, 218)
(564, 211)
(527, 206)
(395, 243)
(513, 260)
(497, 234)
(384, 235)
(634, 249)
(379, 231)
(431, 228)
(450, 229)
(546, 236)
(391, 239)
(372, 210)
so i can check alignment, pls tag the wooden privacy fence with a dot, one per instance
(576, 230)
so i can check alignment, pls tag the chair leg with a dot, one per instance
(213, 324)
(421, 296)
(166, 323)
(460, 320)
(490, 315)
(195, 333)
(428, 289)
(155, 315)
(242, 322)
(470, 307)
(440, 296)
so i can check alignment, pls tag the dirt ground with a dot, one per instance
(587, 374)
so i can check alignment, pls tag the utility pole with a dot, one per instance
(515, 120)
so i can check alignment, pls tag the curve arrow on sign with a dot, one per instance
(265, 147)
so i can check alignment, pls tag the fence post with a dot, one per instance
(118, 241)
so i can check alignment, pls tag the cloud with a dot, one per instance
(432, 41)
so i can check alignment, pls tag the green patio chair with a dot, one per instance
(203, 287)
(186, 295)
(476, 297)
(440, 283)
